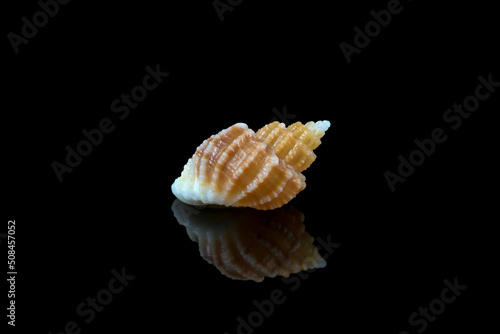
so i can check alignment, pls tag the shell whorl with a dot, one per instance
(235, 168)
(295, 143)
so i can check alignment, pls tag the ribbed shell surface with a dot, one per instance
(235, 168)
(294, 144)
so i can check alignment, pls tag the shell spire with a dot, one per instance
(295, 143)
(319, 128)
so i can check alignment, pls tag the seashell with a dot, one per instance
(247, 244)
(238, 167)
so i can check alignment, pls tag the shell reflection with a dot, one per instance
(248, 244)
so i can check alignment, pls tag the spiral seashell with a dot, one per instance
(247, 244)
(238, 167)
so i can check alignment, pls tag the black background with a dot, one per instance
(114, 209)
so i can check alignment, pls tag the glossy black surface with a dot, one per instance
(111, 216)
